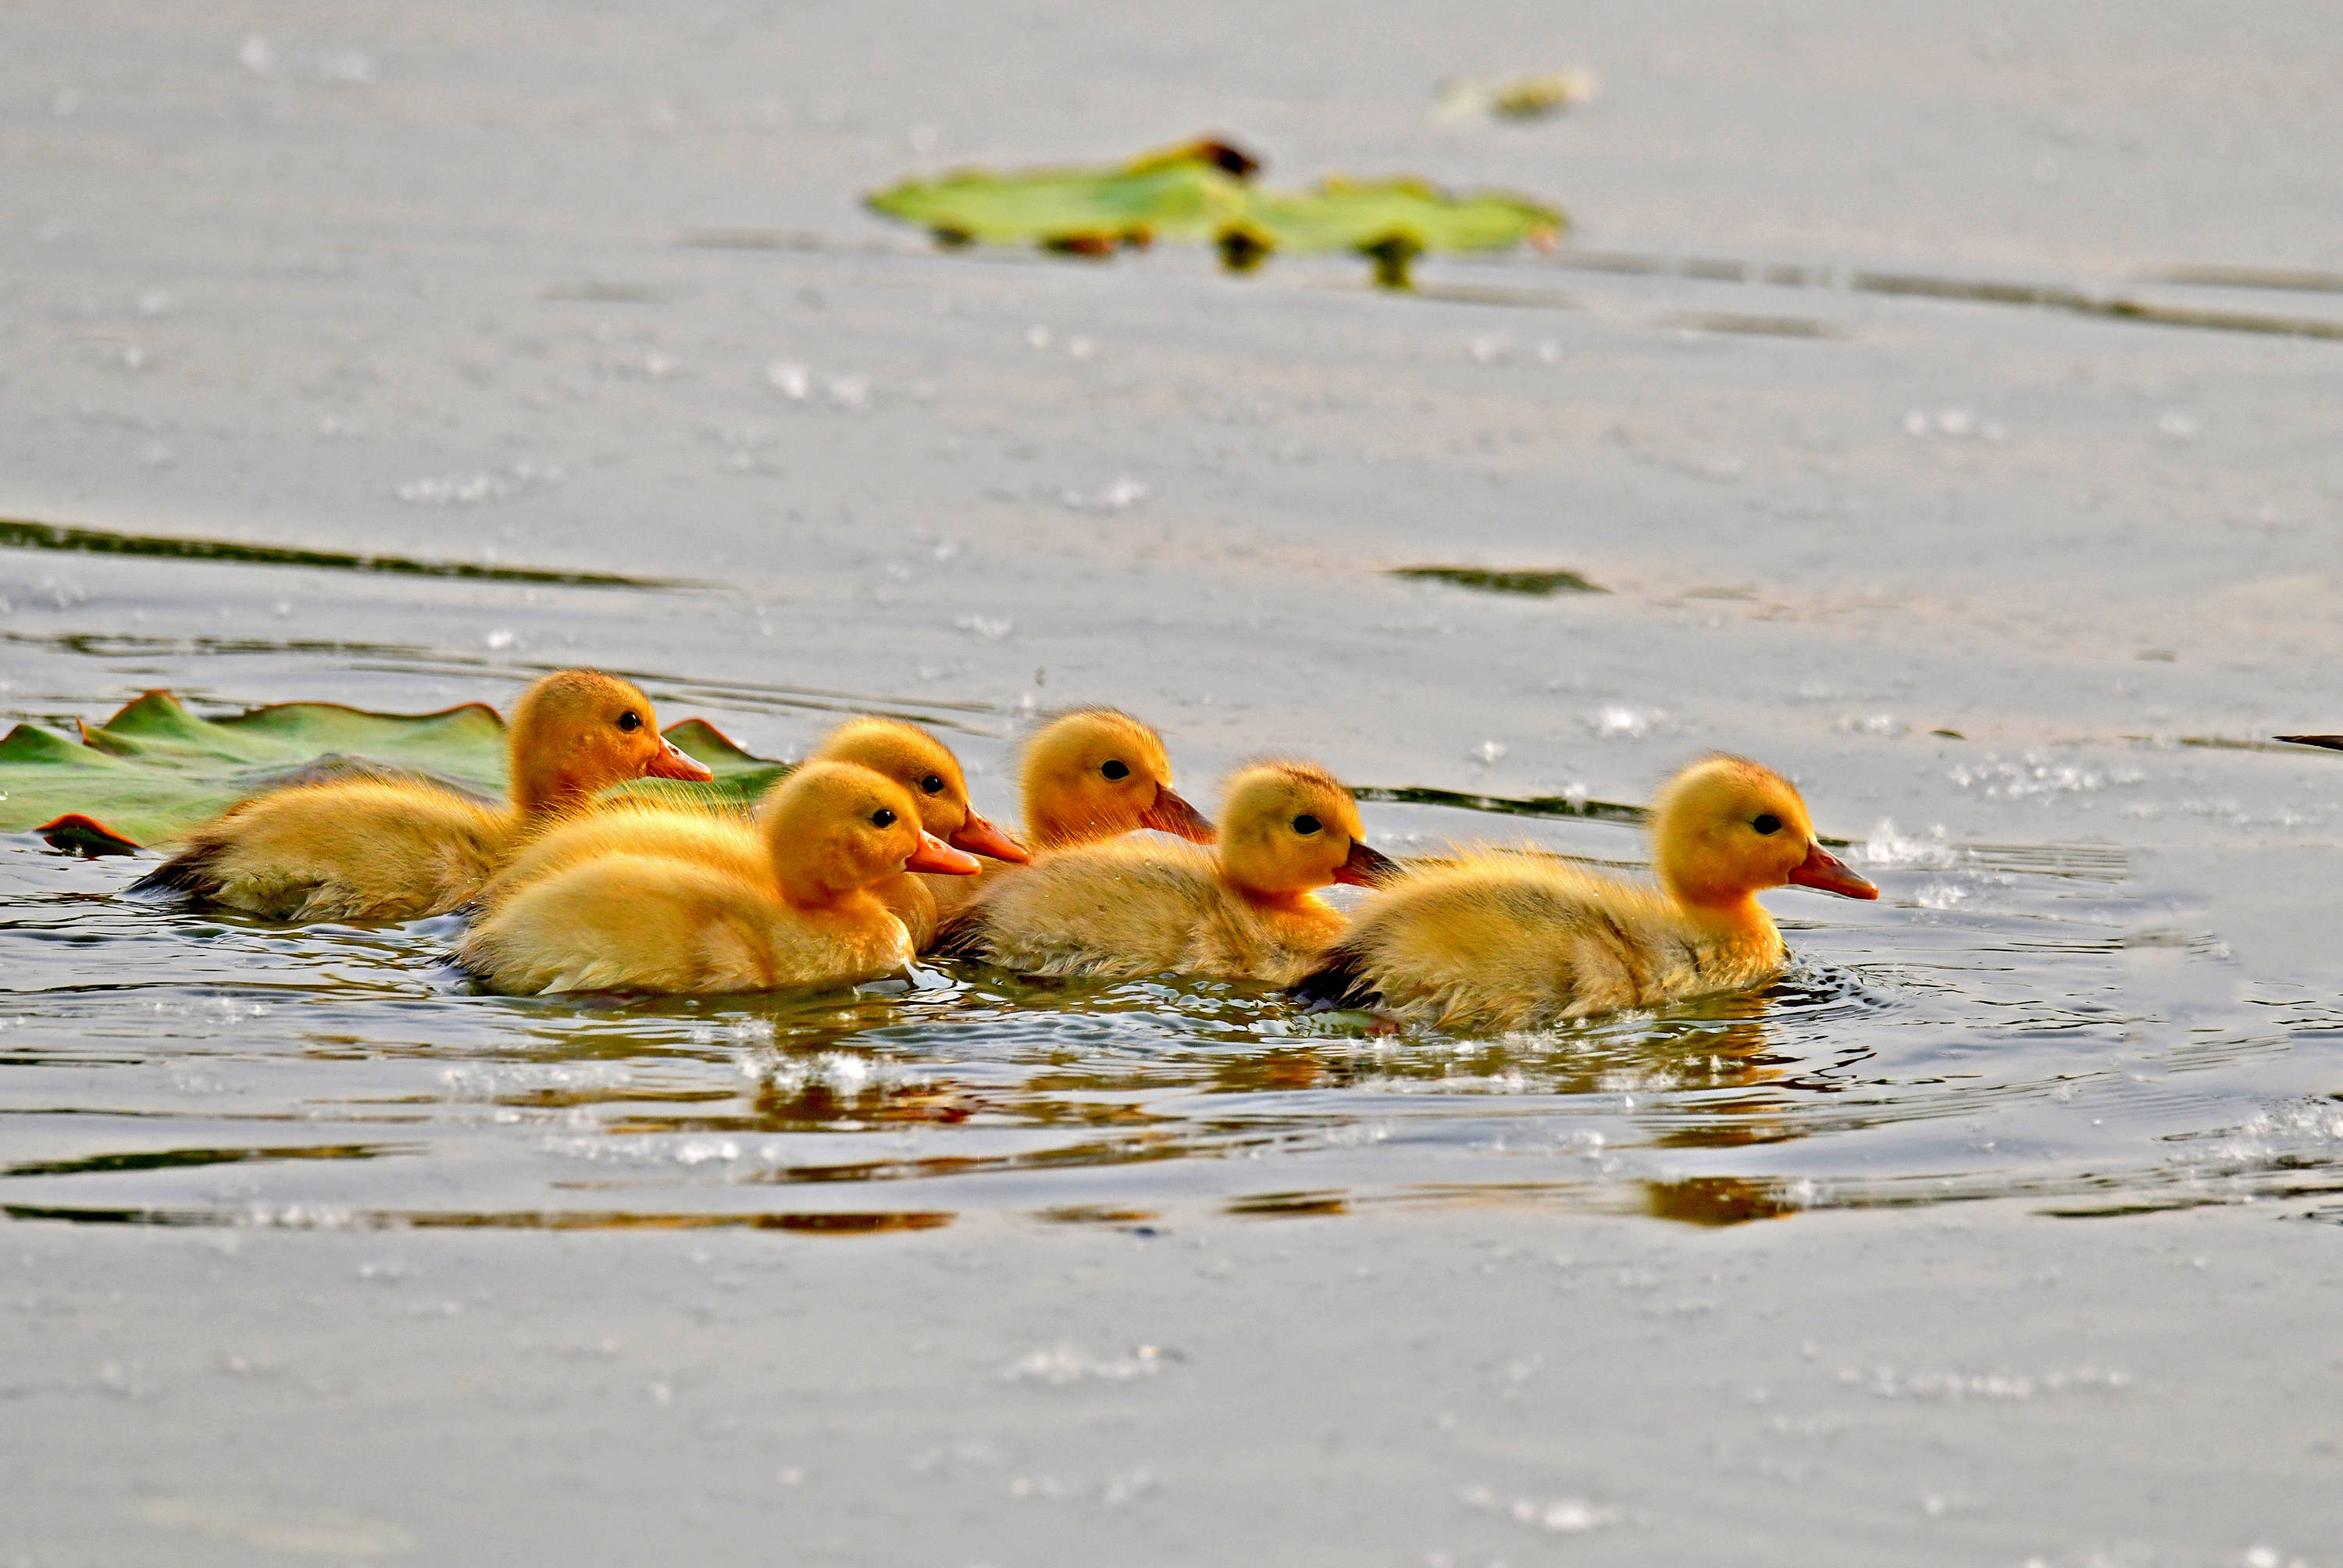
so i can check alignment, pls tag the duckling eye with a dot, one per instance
(1306, 824)
(630, 721)
(933, 784)
(882, 818)
(1115, 770)
(1767, 823)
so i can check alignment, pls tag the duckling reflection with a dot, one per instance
(1678, 1069)
(1718, 1199)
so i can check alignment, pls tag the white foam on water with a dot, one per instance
(1060, 1365)
(1887, 846)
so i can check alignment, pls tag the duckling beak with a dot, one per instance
(934, 855)
(1827, 871)
(1366, 867)
(1170, 814)
(979, 836)
(671, 763)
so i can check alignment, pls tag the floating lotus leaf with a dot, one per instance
(1359, 214)
(1200, 191)
(1190, 192)
(155, 770)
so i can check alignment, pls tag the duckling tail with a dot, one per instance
(191, 874)
(965, 934)
(1340, 983)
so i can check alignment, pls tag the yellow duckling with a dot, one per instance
(398, 849)
(714, 836)
(1501, 940)
(1130, 908)
(831, 832)
(1089, 774)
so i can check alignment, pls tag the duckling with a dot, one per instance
(398, 849)
(1500, 941)
(1089, 774)
(831, 831)
(728, 840)
(1130, 908)
(916, 758)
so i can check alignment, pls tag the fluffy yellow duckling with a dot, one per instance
(1088, 775)
(831, 832)
(398, 849)
(1130, 908)
(1503, 942)
(918, 760)
(714, 836)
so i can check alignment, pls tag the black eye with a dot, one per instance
(1306, 824)
(882, 818)
(1115, 770)
(933, 784)
(1767, 823)
(630, 721)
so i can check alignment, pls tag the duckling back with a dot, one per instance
(1502, 940)
(1127, 909)
(642, 922)
(350, 850)
(700, 835)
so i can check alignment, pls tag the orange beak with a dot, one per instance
(935, 856)
(1170, 814)
(1366, 867)
(979, 836)
(671, 763)
(1825, 871)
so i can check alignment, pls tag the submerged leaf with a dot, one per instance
(1523, 99)
(155, 770)
(1499, 579)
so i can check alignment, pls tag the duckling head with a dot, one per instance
(1726, 827)
(576, 732)
(1288, 829)
(926, 767)
(1094, 773)
(832, 828)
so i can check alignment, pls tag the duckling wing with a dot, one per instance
(363, 849)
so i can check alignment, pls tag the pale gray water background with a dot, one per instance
(311, 1256)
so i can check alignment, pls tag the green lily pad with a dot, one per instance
(155, 770)
(1189, 192)
(1363, 214)
(1201, 191)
